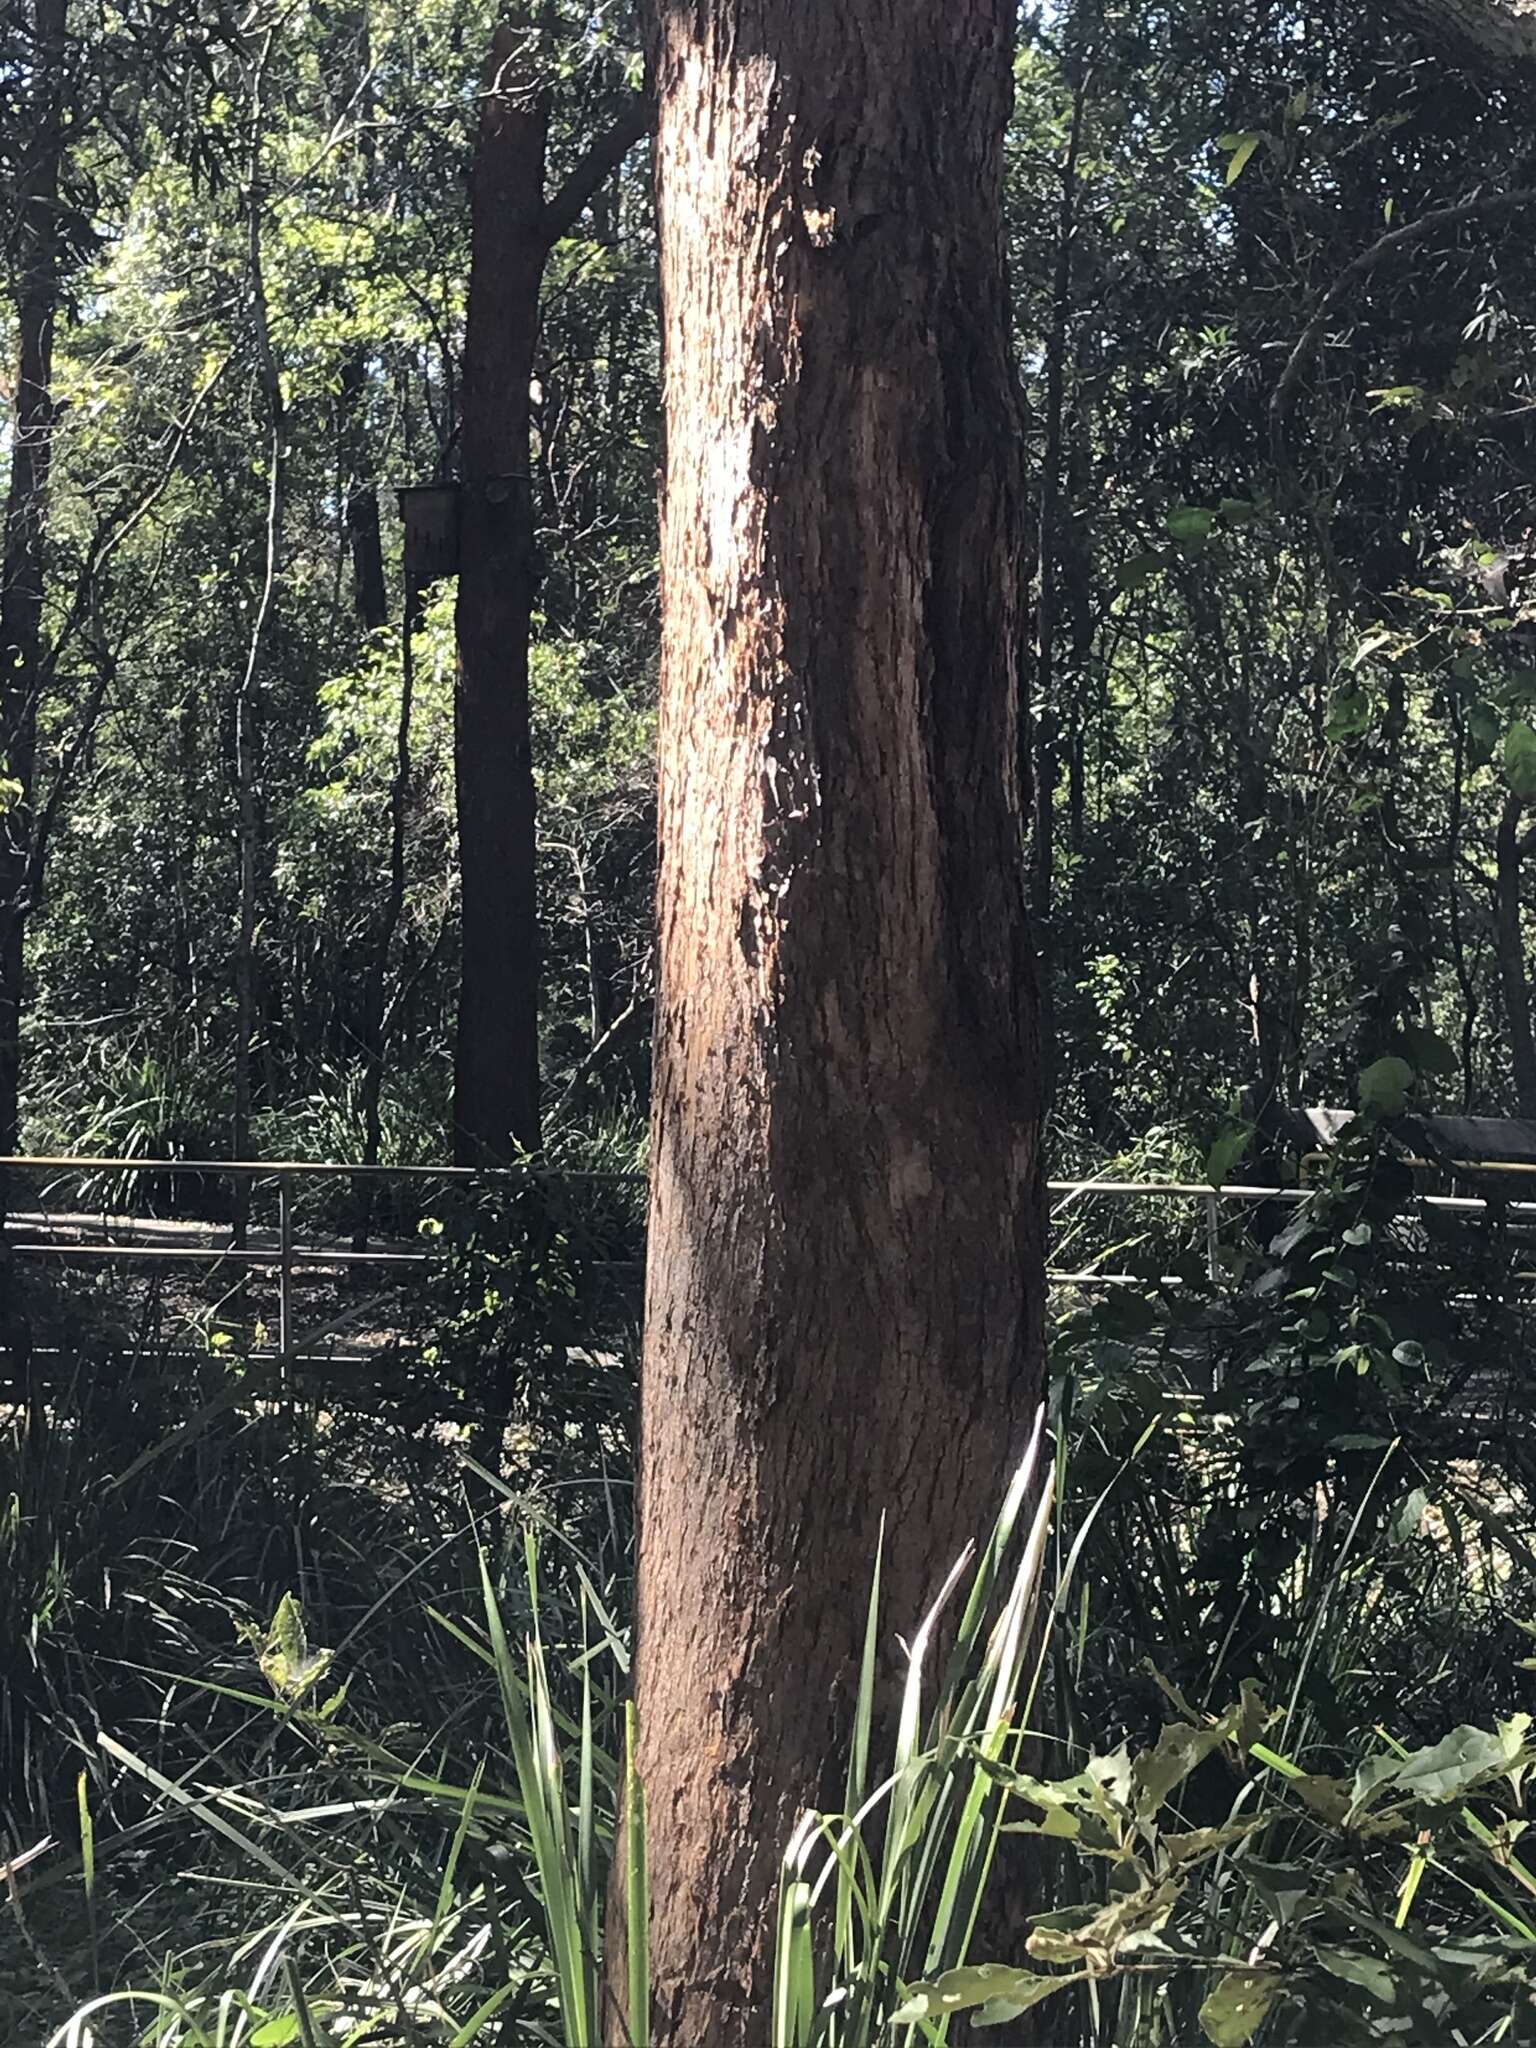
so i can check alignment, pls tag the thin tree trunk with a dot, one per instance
(844, 1284)
(22, 663)
(1509, 944)
(1052, 551)
(374, 1011)
(496, 1063)
(248, 695)
(512, 229)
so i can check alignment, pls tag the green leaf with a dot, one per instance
(1243, 147)
(1349, 713)
(277, 2033)
(1140, 569)
(1385, 1085)
(1190, 525)
(1520, 760)
(1429, 1052)
(1447, 1770)
(1225, 1152)
(980, 1985)
(1096, 1943)
(1237, 2007)
(1355, 1968)
(1483, 725)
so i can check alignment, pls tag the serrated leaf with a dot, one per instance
(1237, 2006)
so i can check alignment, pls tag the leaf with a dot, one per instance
(1190, 525)
(287, 1662)
(1178, 1751)
(277, 2033)
(981, 1984)
(1429, 1052)
(1385, 1084)
(1226, 1150)
(1520, 760)
(1349, 713)
(1447, 1770)
(1202, 1842)
(1483, 728)
(1355, 1968)
(997, 2012)
(1409, 1518)
(1243, 147)
(1096, 1942)
(1237, 2007)
(1140, 569)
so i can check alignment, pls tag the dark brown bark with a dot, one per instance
(367, 547)
(496, 1060)
(1509, 945)
(844, 1286)
(496, 1067)
(22, 656)
(1501, 32)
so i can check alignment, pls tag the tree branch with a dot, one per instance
(1389, 244)
(602, 157)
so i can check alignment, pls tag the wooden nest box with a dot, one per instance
(430, 515)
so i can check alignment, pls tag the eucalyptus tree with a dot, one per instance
(844, 1285)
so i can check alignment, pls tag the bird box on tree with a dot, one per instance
(430, 516)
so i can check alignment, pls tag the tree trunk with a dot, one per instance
(1509, 944)
(37, 275)
(512, 230)
(1501, 31)
(845, 1277)
(496, 1062)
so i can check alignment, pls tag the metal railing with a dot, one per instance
(288, 1258)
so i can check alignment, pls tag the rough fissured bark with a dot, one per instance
(845, 1287)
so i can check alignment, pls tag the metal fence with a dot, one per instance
(39, 1235)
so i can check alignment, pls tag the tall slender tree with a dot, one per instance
(844, 1288)
(513, 229)
(38, 269)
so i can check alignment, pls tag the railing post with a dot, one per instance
(285, 1266)
(1212, 1236)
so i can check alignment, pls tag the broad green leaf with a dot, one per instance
(1483, 726)
(1447, 1770)
(1363, 1970)
(1237, 2006)
(1520, 760)
(1429, 1052)
(1385, 1085)
(1349, 713)
(998, 2012)
(287, 1662)
(1225, 1152)
(1190, 525)
(1139, 570)
(1096, 1943)
(277, 2033)
(963, 1990)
